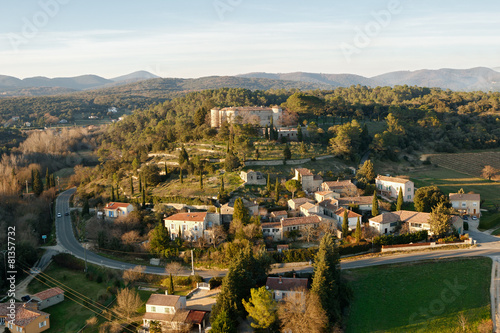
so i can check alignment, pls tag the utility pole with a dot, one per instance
(192, 263)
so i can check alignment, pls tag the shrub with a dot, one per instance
(68, 261)
(348, 249)
(411, 237)
(215, 282)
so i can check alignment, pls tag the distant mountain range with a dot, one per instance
(479, 78)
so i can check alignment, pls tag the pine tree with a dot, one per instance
(326, 278)
(375, 211)
(37, 183)
(399, 203)
(262, 308)
(131, 186)
(277, 190)
(345, 223)
(358, 231)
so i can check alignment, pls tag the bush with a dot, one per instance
(354, 248)
(411, 237)
(215, 282)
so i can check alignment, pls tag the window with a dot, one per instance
(265, 230)
(42, 324)
(19, 329)
(168, 310)
(172, 226)
(474, 204)
(394, 224)
(153, 309)
(416, 225)
(464, 204)
(184, 227)
(195, 228)
(409, 197)
(409, 189)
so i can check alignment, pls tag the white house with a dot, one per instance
(309, 181)
(343, 187)
(251, 177)
(294, 204)
(283, 287)
(192, 226)
(117, 209)
(323, 195)
(277, 230)
(352, 218)
(389, 186)
(309, 209)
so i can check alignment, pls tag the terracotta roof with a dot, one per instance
(403, 216)
(393, 179)
(364, 200)
(115, 205)
(331, 204)
(287, 284)
(323, 192)
(304, 172)
(24, 316)
(196, 317)
(465, 196)
(301, 220)
(279, 213)
(162, 300)
(339, 184)
(340, 212)
(43, 295)
(300, 201)
(188, 217)
(307, 206)
(3, 308)
(179, 316)
(271, 225)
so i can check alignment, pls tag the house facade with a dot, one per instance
(251, 177)
(28, 319)
(245, 115)
(323, 195)
(390, 186)
(278, 230)
(283, 287)
(309, 181)
(466, 203)
(352, 218)
(294, 204)
(343, 187)
(192, 226)
(364, 203)
(278, 215)
(117, 209)
(49, 297)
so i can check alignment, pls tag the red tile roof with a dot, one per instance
(196, 317)
(350, 214)
(287, 284)
(279, 213)
(23, 315)
(271, 225)
(115, 205)
(339, 184)
(364, 200)
(304, 172)
(465, 196)
(188, 217)
(43, 295)
(403, 216)
(301, 220)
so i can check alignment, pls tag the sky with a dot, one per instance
(196, 38)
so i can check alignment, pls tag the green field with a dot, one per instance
(70, 315)
(423, 297)
(451, 181)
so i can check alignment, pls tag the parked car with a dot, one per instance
(465, 217)
(59, 215)
(26, 298)
(474, 217)
(66, 214)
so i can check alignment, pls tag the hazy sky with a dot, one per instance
(194, 38)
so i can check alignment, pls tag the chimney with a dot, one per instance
(280, 281)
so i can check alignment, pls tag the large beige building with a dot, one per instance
(192, 226)
(258, 115)
(466, 203)
(389, 186)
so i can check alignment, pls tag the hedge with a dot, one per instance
(411, 237)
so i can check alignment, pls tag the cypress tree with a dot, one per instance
(221, 190)
(266, 133)
(299, 134)
(345, 223)
(112, 193)
(37, 183)
(180, 176)
(140, 184)
(32, 177)
(268, 183)
(47, 179)
(131, 186)
(358, 231)
(399, 203)
(375, 211)
(277, 190)
(143, 198)
(171, 285)
(201, 180)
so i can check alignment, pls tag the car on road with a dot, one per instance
(474, 217)
(465, 217)
(66, 214)
(59, 215)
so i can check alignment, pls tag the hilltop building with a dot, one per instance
(245, 115)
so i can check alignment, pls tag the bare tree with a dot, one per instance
(133, 274)
(309, 232)
(173, 268)
(219, 235)
(369, 232)
(130, 237)
(127, 302)
(302, 314)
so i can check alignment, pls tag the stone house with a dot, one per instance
(309, 181)
(466, 203)
(390, 186)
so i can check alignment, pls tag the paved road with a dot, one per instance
(488, 246)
